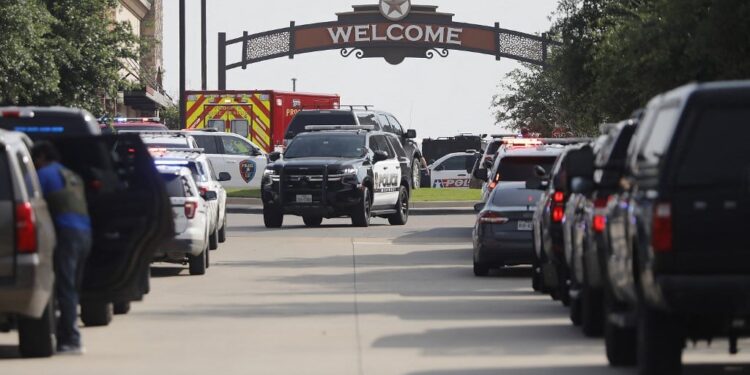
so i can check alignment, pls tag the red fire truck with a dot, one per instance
(262, 116)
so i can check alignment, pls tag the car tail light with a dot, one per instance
(492, 185)
(10, 114)
(25, 229)
(190, 209)
(661, 231)
(601, 202)
(490, 217)
(558, 197)
(558, 213)
(599, 222)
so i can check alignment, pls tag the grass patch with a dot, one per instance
(446, 195)
(243, 193)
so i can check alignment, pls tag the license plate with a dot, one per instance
(304, 198)
(525, 225)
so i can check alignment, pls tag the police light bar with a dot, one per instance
(523, 142)
(339, 127)
(17, 113)
(137, 119)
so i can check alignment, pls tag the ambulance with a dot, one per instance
(261, 116)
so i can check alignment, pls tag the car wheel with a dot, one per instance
(197, 264)
(537, 279)
(36, 337)
(620, 342)
(312, 221)
(213, 239)
(480, 270)
(575, 312)
(96, 314)
(416, 178)
(121, 308)
(208, 256)
(660, 343)
(592, 312)
(402, 208)
(361, 214)
(272, 217)
(223, 230)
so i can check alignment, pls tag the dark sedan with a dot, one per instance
(503, 231)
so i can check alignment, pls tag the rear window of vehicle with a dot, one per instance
(176, 185)
(207, 143)
(318, 118)
(517, 168)
(493, 147)
(716, 150)
(5, 187)
(44, 125)
(516, 197)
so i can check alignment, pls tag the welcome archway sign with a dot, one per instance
(393, 30)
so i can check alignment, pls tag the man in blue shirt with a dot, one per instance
(66, 199)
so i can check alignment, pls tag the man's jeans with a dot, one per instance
(72, 250)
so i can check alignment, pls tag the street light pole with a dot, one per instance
(294, 84)
(204, 48)
(183, 107)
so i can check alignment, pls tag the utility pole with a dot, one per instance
(183, 107)
(294, 84)
(204, 48)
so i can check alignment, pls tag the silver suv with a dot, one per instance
(27, 240)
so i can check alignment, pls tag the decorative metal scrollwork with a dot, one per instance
(524, 47)
(358, 53)
(268, 45)
(433, 52)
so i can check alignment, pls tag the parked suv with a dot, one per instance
(233, 154)
(679, 265)
(191, 221)
(379, 120)
(325, 173)
(27, 241)
(127, 202)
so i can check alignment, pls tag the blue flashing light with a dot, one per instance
(40, 129)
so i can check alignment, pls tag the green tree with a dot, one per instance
(28, 67)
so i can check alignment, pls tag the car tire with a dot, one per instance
(592, 312)
(36, 337)
(620, 343)
(96, 314)
(660, 343)
(208, 257)
(197, 264)
(223, 230)
(361, 214)
(481, 270)
(537, 279)
(575, 312)
(416, 174)
(213, 238)
(402, 207)
(272, 217)
(312, 221)
(121, 308)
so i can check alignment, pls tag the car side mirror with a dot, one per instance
(210, 196)
(411, 134)
(481, 174)
(274, 156)
(581, 185)
(225, 176)
(255, 152)
(379, 156)
(479, 207)
(540, 172)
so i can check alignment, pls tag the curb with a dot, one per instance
(258, 210)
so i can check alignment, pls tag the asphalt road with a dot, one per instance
(342, 300)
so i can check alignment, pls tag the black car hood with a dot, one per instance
(332, 163)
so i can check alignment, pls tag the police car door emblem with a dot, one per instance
(395, 10)
(247, 170)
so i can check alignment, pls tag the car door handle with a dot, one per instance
(462, 175)
(385, 167)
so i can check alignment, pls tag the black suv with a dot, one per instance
(335, 173)
(381, 121)
(679, 263)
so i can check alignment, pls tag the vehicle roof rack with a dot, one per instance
(315, 128)
(156, 132)
(501, 136)
(204, 130)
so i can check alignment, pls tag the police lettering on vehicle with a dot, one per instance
(387, 182)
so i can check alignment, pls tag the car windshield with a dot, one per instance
(515, 197)
(304, 119)
(518, 168)
(327, 145)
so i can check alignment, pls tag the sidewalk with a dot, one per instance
(255, 206)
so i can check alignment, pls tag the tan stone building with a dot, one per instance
(147, 97)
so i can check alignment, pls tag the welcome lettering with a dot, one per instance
(396, 33)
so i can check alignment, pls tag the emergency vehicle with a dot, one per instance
(452, 171)
(261, 116)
